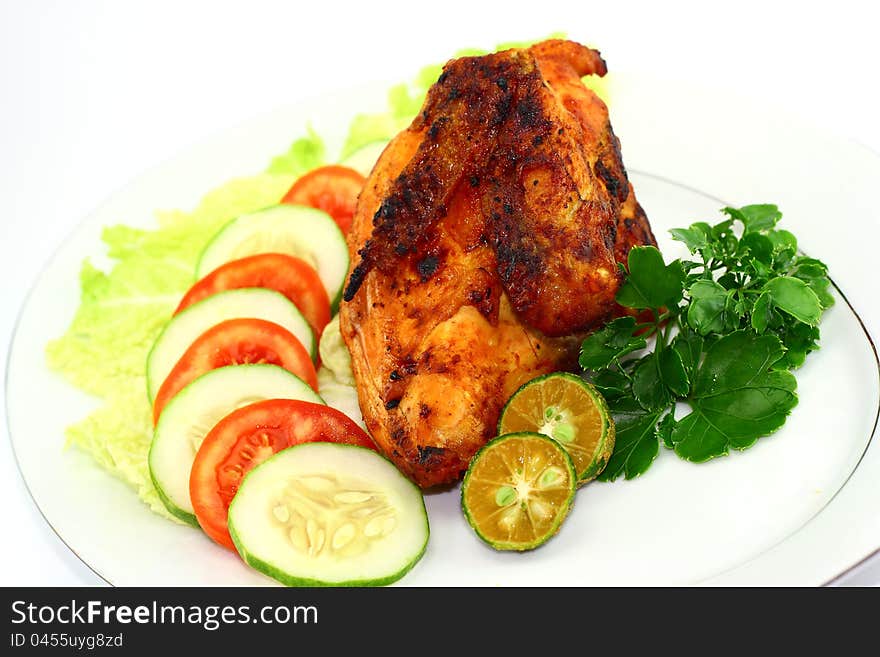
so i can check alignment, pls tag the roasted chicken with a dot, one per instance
(484, 246)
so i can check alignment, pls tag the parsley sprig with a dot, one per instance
(721, 333)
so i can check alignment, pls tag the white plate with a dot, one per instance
(799, 508)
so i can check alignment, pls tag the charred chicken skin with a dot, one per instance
(484, 246)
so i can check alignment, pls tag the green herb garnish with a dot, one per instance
(727, 329)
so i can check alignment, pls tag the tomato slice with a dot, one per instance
(247, 437)
(237, 342)
(333, 189)
(291, 276)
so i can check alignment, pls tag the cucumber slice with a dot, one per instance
(185, 327)
(328, 514)
(364, 158)
(334, 353)
(341, 396)
(296, 230)
(335, 378)
(194, 411)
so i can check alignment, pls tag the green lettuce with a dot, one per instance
(121, 313)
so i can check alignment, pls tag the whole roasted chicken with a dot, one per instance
(484, 247)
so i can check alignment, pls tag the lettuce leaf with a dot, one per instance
(117, 436)
(305, 154)
(122, 312)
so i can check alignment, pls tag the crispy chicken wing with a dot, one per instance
(484, 245)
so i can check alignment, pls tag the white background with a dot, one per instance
(94, 93)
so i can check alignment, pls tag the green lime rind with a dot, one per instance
(606, 442)
(604, 447)
(595, 469)
(301, 580)
(565, 460)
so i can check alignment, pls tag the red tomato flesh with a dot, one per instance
(292, 277)
(333, 189)
(237, 342)
(247, 437)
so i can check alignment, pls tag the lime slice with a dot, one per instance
(569, 410)
(518, 490)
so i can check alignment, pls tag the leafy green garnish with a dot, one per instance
(736, 398)
(635, 442)
(652, 283)
(607, 344)
(727, 327)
